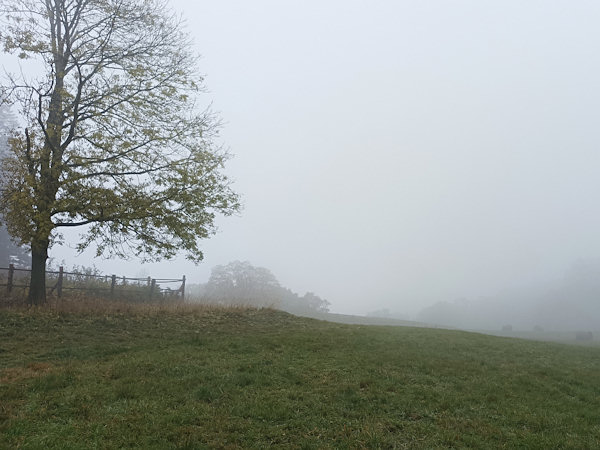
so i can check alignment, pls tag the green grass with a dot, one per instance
(206, 378)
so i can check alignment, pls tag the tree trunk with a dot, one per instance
(37, 286)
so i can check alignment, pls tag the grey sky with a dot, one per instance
(395, 153)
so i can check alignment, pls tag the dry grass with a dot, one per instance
(17, 374)
(82, 304)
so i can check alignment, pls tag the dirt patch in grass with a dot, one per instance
(31, 370)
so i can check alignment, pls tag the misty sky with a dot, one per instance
(392, 154)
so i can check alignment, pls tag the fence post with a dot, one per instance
(152, 286)
(113, 281)
(60, 282)
(183, 288)
(11, 272)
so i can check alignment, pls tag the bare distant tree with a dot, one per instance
(114, 141)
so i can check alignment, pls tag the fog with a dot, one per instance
(394, 155)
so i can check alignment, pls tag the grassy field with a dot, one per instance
(203, 378)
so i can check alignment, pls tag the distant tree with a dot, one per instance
(242, 283)
(113, 141)
(10, 253)
(315, 302)
(308, 303)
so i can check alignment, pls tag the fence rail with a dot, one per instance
(104, 283)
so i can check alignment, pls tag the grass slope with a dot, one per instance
(197, 378)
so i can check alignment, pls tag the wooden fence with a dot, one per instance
(56, 282)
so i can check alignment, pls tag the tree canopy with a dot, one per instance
(241, 283)
(114, 139)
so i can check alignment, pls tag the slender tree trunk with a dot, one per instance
(37, 286)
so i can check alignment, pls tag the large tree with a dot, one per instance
(114, 139)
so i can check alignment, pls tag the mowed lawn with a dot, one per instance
(232, 378)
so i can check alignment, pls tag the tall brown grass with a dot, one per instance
(84, 304)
